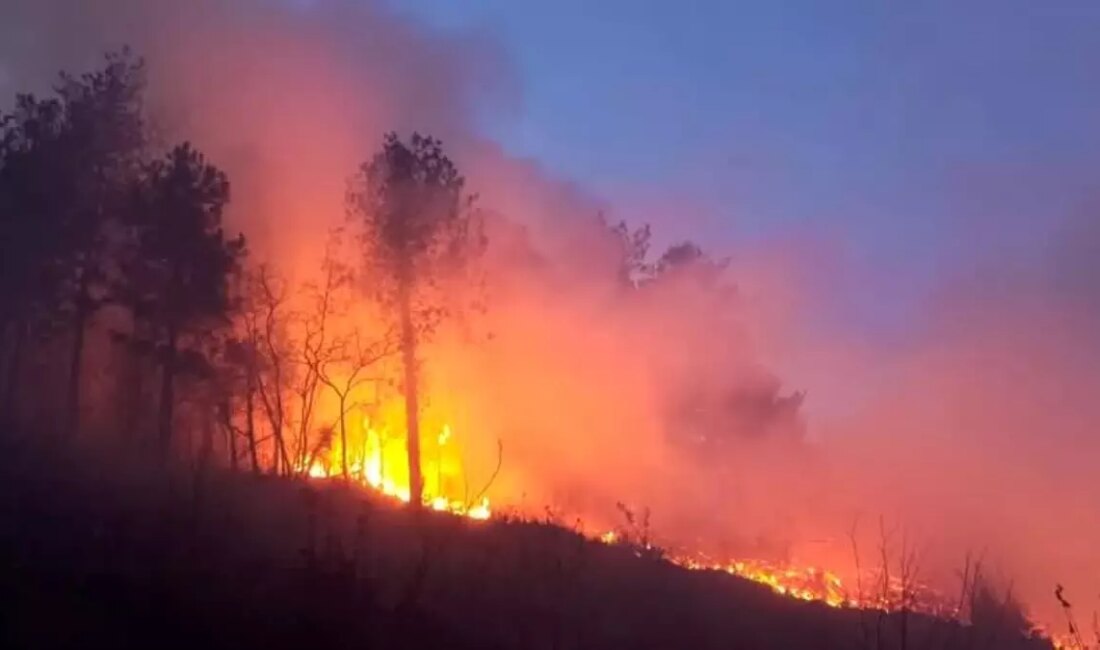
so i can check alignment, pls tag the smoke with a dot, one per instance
(288, 98)
(973, 430)
(980, 432)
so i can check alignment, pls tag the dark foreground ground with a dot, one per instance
(139, 557)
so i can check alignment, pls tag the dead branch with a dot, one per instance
(492, 477)
(1067, 608)
(864, 633)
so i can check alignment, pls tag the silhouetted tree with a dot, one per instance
(102, 141)
(344, 370)
(181, 263)
(31, 202)
(633, 253)
(318, 343)
(268, 352)
(239, 365)
(238, 371)
(333, 356)
(678, 256)
(229, 361)
(419, 228)
(686, 262)
(67, 163)
(713, 414)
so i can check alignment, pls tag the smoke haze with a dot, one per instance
(971, 428)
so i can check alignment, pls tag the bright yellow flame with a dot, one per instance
(480, 510)
(376, 457)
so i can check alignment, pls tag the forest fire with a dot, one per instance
(375, 457)
(368, 466)
(473, 313)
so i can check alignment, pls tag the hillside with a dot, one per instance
(136, 556)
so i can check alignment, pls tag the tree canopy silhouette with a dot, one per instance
(179, 264)
(67, 164)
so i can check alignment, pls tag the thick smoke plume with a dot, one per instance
(975, 432)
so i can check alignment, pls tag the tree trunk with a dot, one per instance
(130, 392)
(232, 450)
(12, 372)
(167, 393)
(284, 468)
(76, 359)
(206, 448)
(343, 436)
(412, 407)
(230, 436)
(250, 423)
(281, 462)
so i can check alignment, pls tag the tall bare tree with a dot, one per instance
(241, 367)
(345, 370)
(266, 318)
(325, 301)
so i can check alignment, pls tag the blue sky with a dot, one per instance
(901, 129)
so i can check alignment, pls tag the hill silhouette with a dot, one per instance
(131, 554)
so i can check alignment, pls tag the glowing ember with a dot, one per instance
(808, 583)
(803, 583)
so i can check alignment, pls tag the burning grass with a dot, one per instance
(898, 594)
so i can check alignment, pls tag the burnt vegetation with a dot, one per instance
(158, 402)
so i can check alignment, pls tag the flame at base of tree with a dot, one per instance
(376, 457)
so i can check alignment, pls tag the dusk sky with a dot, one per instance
(905, 131)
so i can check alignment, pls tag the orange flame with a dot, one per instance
(376, 458)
